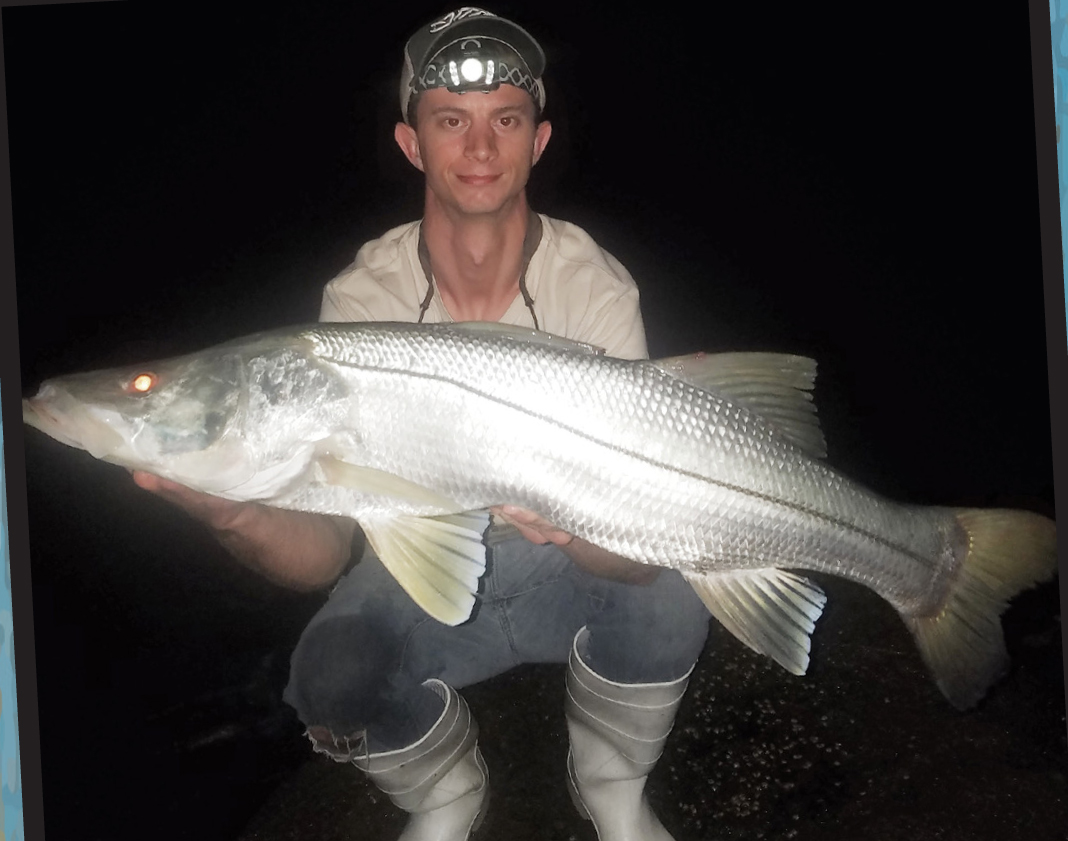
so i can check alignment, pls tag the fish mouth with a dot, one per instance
(76, 428)
(36, 414)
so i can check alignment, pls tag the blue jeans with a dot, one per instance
(358, 669)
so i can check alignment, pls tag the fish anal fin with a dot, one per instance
(770, 610)
(437, 560)
(776, 386)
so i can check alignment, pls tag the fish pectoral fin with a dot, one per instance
(772, 611)
(437, 560)
(335, 471)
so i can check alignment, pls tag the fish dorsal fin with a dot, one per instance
(524, 334)
(772, 611)
(776, 386)
(437, 560)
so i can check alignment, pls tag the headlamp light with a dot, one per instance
(471, 73)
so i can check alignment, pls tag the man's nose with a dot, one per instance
(481, 142)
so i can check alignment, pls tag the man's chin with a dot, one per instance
(486, 205)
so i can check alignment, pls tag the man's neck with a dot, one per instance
(476, 260)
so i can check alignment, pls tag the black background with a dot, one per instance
(854, 185)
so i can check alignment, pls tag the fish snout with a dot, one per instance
(35, 409)
(56, 413)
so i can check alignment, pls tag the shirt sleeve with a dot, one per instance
(339, 306)
(379, 285)
(616, 324)
(584, 293)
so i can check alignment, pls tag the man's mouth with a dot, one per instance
(478, 180)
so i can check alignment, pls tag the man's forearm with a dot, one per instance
(593, 559)
(604, 564)
(298, 550)
(291, 548)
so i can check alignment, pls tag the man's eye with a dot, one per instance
(507, 122)
(452, 122)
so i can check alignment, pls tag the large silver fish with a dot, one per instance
(711, 464)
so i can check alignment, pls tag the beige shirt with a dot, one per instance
(580, 291)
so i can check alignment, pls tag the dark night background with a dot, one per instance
(857, 185)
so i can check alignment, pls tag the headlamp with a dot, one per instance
(471, 71)
(471, 50)
(475, 64)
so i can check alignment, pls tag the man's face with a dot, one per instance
(475, 148)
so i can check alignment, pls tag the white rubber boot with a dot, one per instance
(617, 731)
(441, 780)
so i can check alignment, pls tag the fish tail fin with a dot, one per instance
(962, 644)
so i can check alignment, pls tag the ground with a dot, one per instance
(863, 746)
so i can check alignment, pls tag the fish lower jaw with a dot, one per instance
(100, 442)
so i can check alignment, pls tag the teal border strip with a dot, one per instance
(10, 767)
(1058, 22)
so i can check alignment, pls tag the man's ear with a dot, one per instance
(408, 141)
(541, 138)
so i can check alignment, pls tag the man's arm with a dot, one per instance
(295, 549)
(298, 550)
(593, 559)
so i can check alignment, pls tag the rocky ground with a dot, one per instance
(863, 746)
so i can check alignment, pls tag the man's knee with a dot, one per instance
(343, 747)
(648, 634)
(338, 672)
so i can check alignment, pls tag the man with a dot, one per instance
(374, 678)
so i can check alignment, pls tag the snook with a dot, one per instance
(708, 464)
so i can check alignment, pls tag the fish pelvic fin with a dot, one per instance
(437, 560)
(772, 611)
(962, 644)
(335, 471)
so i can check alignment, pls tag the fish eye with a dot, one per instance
(143, 383)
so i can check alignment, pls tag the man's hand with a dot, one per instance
(532, 526)
(592, 559)
(295, 549)
(213, 511)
